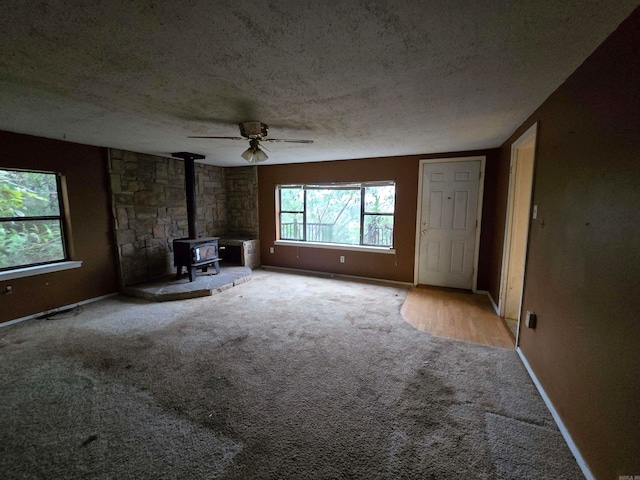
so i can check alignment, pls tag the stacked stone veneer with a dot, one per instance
(242, 202)
(150, 211)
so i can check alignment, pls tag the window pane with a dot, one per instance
(333, 215)
(291, 199)
(378, 230)
(291, 226)
(379, 199)
(28, 194)
(29, 242)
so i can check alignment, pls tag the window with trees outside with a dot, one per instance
(31, 219)
(352, 214)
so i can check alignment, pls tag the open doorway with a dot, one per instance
(517, 228)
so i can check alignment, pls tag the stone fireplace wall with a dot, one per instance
(242, 202)
(150, 211)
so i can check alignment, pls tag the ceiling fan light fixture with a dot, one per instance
(254, 154)
(261, 156)
(255, 132)
(254, 157)
(247, 154)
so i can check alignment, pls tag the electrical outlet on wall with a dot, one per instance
(270, 249)
(341, 258)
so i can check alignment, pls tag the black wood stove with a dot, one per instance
(193, 252)
(198, 253)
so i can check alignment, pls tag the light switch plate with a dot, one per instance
(530, 319)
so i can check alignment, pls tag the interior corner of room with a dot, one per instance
(541, 217)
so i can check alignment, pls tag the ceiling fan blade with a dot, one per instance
(274, 140)
(223, 138)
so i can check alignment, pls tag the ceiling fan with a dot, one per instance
(255, 132)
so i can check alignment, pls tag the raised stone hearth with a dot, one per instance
(204, 285)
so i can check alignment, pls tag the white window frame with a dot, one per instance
(337, 246)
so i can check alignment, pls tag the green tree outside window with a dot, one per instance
(31, 230)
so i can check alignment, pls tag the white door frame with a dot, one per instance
(526, 137)
(476, 252)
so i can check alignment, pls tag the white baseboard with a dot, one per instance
(48, 312)
(493, 303)
(565, 433)
(334, 275)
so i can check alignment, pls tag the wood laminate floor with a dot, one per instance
(456, 314)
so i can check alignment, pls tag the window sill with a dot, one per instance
(336, 246)
(38, 270)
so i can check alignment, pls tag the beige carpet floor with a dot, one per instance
(285, 376)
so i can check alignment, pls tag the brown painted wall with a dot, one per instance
(493, 223)
(583, 268)
(493, 218)
(85, 169)
(404, 170)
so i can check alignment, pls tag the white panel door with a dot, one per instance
(448, 223)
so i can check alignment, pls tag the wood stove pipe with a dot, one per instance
(190, 189)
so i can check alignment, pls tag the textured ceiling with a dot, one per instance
(360, 78)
